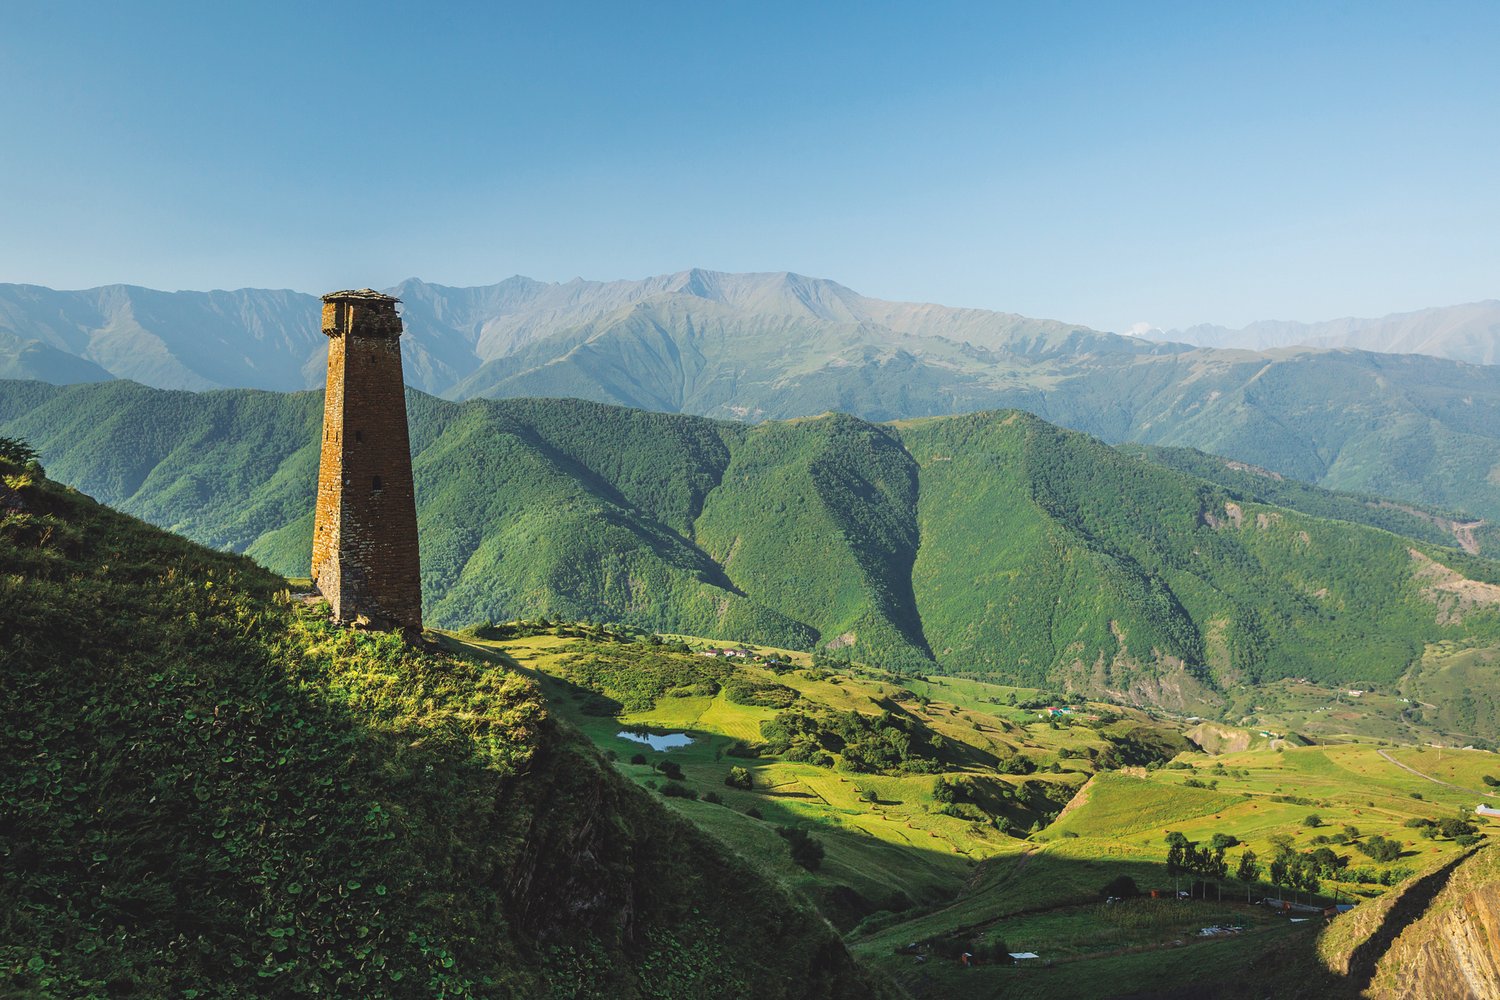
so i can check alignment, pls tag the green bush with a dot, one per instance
(806, 849)
(1380, 848)
(739, 777)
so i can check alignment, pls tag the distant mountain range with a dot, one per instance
(775, 346)
(263, 339)
(1469, 332)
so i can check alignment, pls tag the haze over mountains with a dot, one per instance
(771, 346)
(1469, 332)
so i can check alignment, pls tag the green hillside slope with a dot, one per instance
(1251, 482)
(991, 544)
(211, 792)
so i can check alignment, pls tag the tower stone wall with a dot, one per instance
(365, 556)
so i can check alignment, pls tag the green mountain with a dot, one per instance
(209, 791)
(1254, 483)
(990, 544)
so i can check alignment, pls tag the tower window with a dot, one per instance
(375, 484)
(359, 435)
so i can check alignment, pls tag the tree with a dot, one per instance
(739, 777)
(1312, 820)
(1248, 871)
(16, 451)
(1278, 873)
(1179, 856)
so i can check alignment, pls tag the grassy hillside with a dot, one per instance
(1253, 483)
(1436, 937)
(986, 545)
(209, 791)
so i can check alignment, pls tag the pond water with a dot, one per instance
(669, 741)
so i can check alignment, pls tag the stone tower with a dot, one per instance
(365, 559)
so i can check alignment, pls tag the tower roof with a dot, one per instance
(359, 295)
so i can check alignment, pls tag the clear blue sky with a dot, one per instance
(1107, 163)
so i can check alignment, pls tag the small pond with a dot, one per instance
(669, 741)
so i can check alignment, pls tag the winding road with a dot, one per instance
(1429, 777)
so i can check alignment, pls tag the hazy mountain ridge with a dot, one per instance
(778, 345)
(268, 339)
(1468, 332)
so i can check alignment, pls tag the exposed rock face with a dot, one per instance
(1435, 938)
(1454, 949)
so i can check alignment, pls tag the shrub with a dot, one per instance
(671, 769)
(675, 790)
(739, 777)
(639, 758)
(963, 810)
(1380, 848)
(713, 797)
(1312, 820)
(761, 694)
(806, 850)
(753, 813)
(1455, 828)
(1491, 780)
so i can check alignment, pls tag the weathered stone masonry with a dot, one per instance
(365, 558)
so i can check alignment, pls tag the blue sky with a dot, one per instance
(1108, 164)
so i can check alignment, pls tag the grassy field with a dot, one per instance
(896, 870)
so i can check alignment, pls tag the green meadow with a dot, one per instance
(1021, 863)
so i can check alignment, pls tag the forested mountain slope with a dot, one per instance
(210, 791)
(989, 544)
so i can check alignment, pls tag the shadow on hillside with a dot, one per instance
(1414, 900)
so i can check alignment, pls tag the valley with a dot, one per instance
(1053, 803)
(937, 823)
